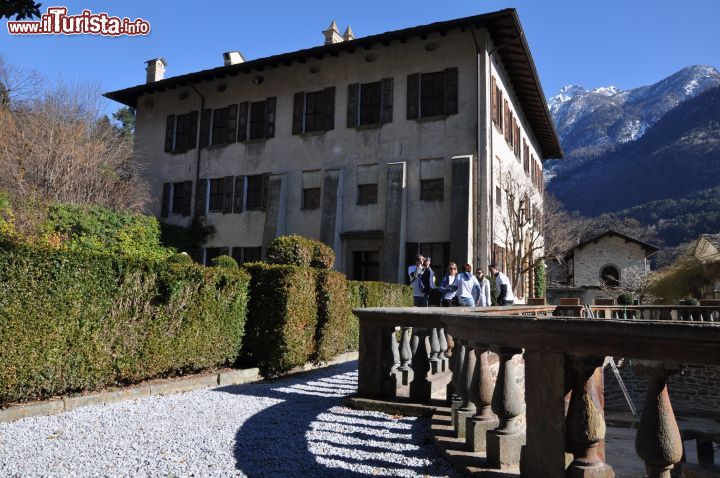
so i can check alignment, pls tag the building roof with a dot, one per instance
(504, 28)
(713, 239)
(649, 248)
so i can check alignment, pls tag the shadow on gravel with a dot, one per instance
(305, 431)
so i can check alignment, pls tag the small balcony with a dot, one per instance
(519, 391)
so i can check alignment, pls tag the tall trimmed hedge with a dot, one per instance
(294, 250)
(282, 318)
(77, 321)
(334, 316)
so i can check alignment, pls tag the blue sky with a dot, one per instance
(625, 43)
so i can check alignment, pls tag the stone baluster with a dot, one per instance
(390, 362)
(420, 387)
(443, 350)
(451, 359)
(434, 350)
(458, 370)
(505, 442)
(585, 421)
(481, 392)
(405, 355)
(658, 440)
(467, 407)
(450, 345)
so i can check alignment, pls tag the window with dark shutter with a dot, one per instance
(205, 119)
(508, 124)
(329, 101)
(255, 192)
(257, 120)
(526, 157)
(432, 189)
(352, 105)
(499, 105)
(169, 133)
(432, 94)
(413, 96)
(370, 101)
(270, 117)
(493, 99)
(185, 132)
(200, 197)
(386, 108)
(231, 132)
(165, 204)
(298, 112)
(311, 198)
(219, 125)
(228, 194)
(367, 194)
(239, 194)
(265, 189)
(367, 184)
(217, 194)
(242, 121)
(451, 91)
(181, 197)
(319, 110)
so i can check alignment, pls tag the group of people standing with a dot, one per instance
(461, 289)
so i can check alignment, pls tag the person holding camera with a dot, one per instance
(416, 272)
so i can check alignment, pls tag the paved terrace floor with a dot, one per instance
(290, 427)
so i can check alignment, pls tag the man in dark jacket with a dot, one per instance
(427, 280)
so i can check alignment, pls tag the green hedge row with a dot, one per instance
(294, 250)
(79, 321)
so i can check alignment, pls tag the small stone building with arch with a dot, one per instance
(607, 258)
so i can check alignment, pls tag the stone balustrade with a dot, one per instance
(643, 312)
(556, 361)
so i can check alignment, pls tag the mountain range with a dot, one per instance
(654, 148)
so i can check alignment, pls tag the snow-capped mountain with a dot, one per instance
(592, 121)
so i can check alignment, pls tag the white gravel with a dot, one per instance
(286, 428)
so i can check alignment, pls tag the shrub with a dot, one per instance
(334, 315)
(225, 261)
(296, 250)
(282, 317)
(625, 298)
(539, 280)
(76, 321)
(92, 228)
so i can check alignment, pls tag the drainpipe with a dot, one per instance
(197, 161)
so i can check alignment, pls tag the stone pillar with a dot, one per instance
(405, 355)
(420, 387)
(458, 371)
(331, 212)
(275, 210)
(392, 264)
(658, 440)
(461, 241)
(505, 442)
(585, 422)
(467, 408)
(443, 350)
(374, 360)
(544, 453)
(481, 392)
(434, 351)
(391, 360)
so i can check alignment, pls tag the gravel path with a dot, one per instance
(285, 428)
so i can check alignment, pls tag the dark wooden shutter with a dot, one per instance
(231, 124)
(493, 99)
(352, 105)
(228, 194)
(200, 191)
(270, 105)
(187, 197)
(386, 101)
(205, 118)
(413, 96)
(239, 194)
(329, 99)
(242, 121)
(298, 112)
(165, 204)
(192, 130)
(169, 133)
(265, 189)
(451, 91)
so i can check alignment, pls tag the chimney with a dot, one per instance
(348, 35)
(332, 34)
(155, 70)
(233, 58)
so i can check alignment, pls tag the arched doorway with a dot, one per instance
(610, 276)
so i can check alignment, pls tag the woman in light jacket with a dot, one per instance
(484, 296)
(448, 287)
